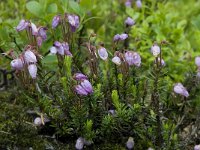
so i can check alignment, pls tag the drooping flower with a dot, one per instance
(22, 25)
(155, 50)
(80, 90)
(139, 3)
(79, 143)
(80, 76)
(116, 60)
(129, 22)
(197, 61)
(38, 121)
(87, 86)
(197, 147)
(180, 89)
(39, 41)
(59, 47)
(132, 58)
(32, 69)
(128, 3)
(162, 62)
(29, 57)
(56, 20)
(34, 29)
(53, 50)
(65, 46)
(116, 38)
(103, 54)
(42, 33)
(73, 22)
(17, 64)
(130, 143)
(120, 37)
(123, 36)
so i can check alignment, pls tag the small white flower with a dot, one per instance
(79, 143)
(38, 121)
(53, 50)
(116, 60)
(34, 29)
(32, 68)
(29, 57)
(102, 53)
(17, 64)
(155, 50)
(130, 143)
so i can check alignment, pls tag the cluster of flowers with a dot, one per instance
(138, 3)
(84, 86)
(28, 60)
(72, 19)
(60, 48)
(39, 33)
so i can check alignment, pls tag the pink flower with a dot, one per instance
(73, 22)
(129, 22)
(80, 90)
(87, 86)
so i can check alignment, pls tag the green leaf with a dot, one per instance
(52, 8)
(35, 8)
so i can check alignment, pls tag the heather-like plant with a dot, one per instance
(80, 80)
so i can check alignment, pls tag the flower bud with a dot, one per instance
(132, 58)
(73, 22)
(39, 41)
(155, 50)
(29, 57)
(197, 61)
(34, 29)
(80, 76)
(53, 50)
(38, 121)
(138, 4)
(56, 21)
(87, 86)
(180, 89)
(22, 25)
(130, 143)
(197, 147)
(116, 38)
(116, 60)
(65, 46)
(32, 69)
(79, 143)
(129, 22)
(42, 33)
(102, 53)
(17, 64)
